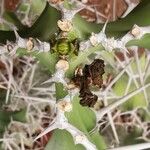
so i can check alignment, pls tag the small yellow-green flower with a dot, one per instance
(63, 47)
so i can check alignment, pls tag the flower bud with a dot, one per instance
(135, 31)
(64, 25)
(62, 64)
(79, 138)
(30, 44)
(64, 106)
(63, 47)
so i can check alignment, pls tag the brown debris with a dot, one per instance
(91, 75)
(87, 97)
(94, 72)
(104, 9)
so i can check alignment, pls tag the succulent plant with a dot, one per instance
(66, 83)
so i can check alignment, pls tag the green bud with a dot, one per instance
(63, 47)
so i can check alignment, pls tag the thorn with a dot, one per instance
(104, 27)
(16, 34)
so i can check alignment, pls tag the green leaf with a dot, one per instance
(84, 28)
(12, 18)
(81, 58)
(142, 42)
(72, 35)
(98, 140)
(134, 102)
(44, 27)
(84, 119)
(24, 8)
(4, 26)
(5, 118)
(18, 115)
(47, 60)
(37, 6)
(62, 140)
(81, 117)
(61, 92)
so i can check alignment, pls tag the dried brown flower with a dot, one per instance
(92, 75)
(94, 72)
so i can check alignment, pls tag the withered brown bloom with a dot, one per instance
(87, 97)
(94, 72)
(92, 75)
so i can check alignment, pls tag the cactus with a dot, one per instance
(66, 83)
